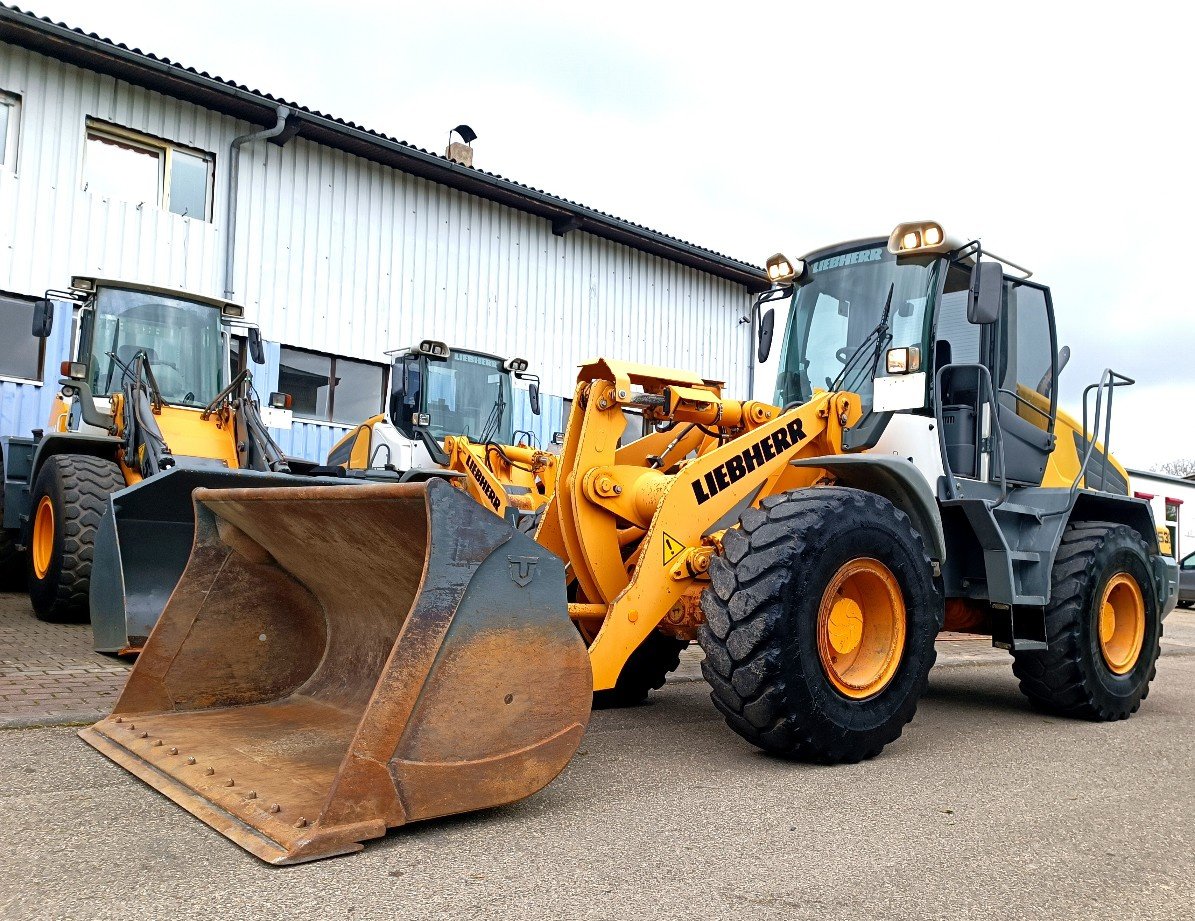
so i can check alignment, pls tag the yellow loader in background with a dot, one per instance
(151, 407)
(336, 662)
(452, 409)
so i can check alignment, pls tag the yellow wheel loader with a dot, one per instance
(150, 402)
(317, 678)
(451, 409)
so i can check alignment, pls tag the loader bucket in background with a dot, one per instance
(142, 546)
(338, 660)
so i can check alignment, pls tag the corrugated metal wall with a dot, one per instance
(347, 256)
(341, 255)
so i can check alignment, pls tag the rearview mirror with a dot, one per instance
(985, 293)
(533, 396)
(43, 318)
(256, 351)
(767, 325)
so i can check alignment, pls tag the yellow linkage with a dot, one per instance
(637, 525)
(499, 476)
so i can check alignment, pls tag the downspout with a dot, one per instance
(234, 163)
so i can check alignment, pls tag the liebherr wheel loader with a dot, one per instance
(315, 680)
(152, 402)
(453, 409)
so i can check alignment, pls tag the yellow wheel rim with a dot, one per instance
(1121, 623)
(43, 537)
(861, 628)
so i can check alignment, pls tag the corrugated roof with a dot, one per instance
(142, 68)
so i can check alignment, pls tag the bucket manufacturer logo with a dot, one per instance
(483, 483)
(767, 448)
(522, 569)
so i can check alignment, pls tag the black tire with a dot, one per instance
(1186, 604)
(645, 671)
(760, 636)
(1071, 677)
(78, 487)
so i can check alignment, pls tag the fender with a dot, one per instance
(898, 481)
(48, 446)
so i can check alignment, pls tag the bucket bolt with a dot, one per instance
(208, 772)
(302, 823)
(275, 808)
(190, 761)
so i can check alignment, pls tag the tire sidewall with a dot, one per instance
(809, 687)
(1120, 553)
(44, 591)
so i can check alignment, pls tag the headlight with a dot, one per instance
(782, 270)
(918, 237)
(904, 360)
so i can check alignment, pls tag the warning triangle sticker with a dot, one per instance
(672, 548)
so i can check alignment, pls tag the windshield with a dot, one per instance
(468, 395)
(835, 311)
(181, 339)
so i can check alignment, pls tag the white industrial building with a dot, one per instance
(342, 243)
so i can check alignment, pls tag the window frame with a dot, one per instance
(383, 395)
(41, 345)
(12, 137)
(109, 132)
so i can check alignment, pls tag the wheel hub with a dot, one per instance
(43, 537)
(861, 628)
(1121, 623)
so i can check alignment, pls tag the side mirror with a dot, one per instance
(256, 350)
(43, 318)
(767, 325)
(533, 396)
(985, 294)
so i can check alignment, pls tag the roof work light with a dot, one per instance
(784, 271)
(918, 237)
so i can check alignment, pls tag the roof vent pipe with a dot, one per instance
(234, 162)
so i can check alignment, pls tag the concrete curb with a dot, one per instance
(49, 720)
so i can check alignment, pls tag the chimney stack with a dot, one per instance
(461, 151)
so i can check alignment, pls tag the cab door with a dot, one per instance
(1022, 355)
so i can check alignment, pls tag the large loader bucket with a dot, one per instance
(142, 547)
(339, 660)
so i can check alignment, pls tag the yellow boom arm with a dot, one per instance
(637, 525)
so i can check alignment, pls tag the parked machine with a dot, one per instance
(153, 396)
(453, 409)
(340, 662)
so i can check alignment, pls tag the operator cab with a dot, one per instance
(921, 325)
(444, 392)
(184, 338)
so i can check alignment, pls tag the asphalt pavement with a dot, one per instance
(983, 809)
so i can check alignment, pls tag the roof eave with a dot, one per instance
(96, 54)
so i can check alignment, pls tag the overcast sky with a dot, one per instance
(1061, 138)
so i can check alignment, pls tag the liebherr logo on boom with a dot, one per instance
(756, 455)
(486, 488)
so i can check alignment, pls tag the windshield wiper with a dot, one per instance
(878, 338)
(494, 419)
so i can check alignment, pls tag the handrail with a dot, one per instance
(985, 376)
(1110, 380)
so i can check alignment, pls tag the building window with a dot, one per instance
(127, 166)
(10, 127)
(331, 389)
(21, 353)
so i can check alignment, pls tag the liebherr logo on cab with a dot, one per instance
(486, 488)
(756, 455)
